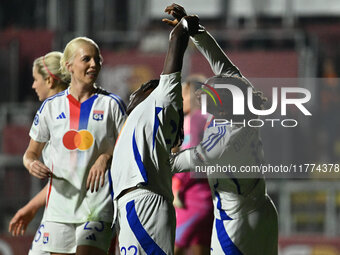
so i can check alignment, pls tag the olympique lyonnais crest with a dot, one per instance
(46, 237)
(98, 115)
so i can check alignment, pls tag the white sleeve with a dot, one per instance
(39, 130)
(218, 60)
(169, 90)
(119, 115)
(181, 161)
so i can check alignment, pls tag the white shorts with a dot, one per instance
(255, 233)
(147, 223)
(65, 237)
(38, 242)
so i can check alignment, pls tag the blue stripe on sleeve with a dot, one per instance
(120, 103)
(49, 99)
(223, 129)
(212, 138)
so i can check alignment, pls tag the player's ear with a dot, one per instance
(69, 67)
(49, 82)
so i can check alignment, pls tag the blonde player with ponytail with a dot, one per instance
(48, 81)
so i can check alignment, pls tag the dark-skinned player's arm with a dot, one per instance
(179, 36)
(178, 42)
(205, 43)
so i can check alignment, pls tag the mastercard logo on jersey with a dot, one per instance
(81, 140)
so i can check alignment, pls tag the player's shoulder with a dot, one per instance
(111, 97)
(101, 92)
(52, 99)
(169, 81)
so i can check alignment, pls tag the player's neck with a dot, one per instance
(55, 91)
(81, 93)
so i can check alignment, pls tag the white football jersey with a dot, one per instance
(77, 134)
(226, 146)
(141, 155)
(229, 145)
(223, 146)
(219, 62)
(242, 209)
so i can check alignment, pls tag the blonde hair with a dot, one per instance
(49, 66)
(70, 52)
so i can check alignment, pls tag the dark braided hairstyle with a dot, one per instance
(140, 94)
(152, 84)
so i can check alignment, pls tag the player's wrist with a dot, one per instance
(30, 166)
(190, 24)
(32, 207)
(31, 163)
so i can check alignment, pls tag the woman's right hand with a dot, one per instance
(176, 11)
(38, 169)
(20, 221)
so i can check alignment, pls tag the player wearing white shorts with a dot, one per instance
(245, 217)
(81, 125)
(37, 243)
(48, 81)
(140, 166)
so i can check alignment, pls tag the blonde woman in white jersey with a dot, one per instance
(48, 81)
(81, 125)
(245, 217)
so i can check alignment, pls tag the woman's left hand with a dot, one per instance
(96, 177)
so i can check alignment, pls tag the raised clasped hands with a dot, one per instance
(191, 23)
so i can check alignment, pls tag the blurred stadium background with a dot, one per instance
(266, 39)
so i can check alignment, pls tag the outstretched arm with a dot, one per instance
(206, 44)
(182, 161)
(218, 60)
(179, 37)
(19, 222)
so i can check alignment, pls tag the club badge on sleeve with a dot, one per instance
(98, 115)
